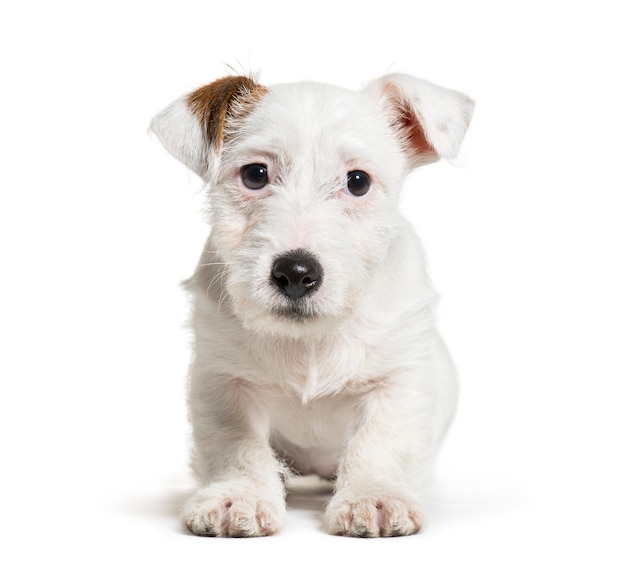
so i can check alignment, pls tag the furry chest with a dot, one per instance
(311, 371)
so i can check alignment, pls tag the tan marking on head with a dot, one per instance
(409, 124)
(214, 103)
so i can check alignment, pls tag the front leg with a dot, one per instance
(380, 477)
(240, 481)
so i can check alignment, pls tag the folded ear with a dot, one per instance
(193, 127)
(430, 120)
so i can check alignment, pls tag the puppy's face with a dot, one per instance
(304, 204)
(304, 182)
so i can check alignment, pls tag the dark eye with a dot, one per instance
(254, 176)
(358, 182)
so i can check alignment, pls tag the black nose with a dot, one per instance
(297, 273)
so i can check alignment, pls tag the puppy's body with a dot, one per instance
(340, 372)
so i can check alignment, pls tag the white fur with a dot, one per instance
(180, 134)
(363, 389)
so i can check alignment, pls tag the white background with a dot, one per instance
(526, 242)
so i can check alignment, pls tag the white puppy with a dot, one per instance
(315, 345)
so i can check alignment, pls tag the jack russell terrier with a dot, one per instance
(316, 350)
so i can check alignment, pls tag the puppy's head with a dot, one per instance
(304, 181)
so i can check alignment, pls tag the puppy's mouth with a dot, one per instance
(301, 310)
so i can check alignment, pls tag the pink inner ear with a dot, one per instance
(412, 128)
(409, 125)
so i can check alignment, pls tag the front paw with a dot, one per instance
(366, 516)
(217, 512)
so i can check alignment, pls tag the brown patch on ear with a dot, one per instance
(213, 104)
(409, 125)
